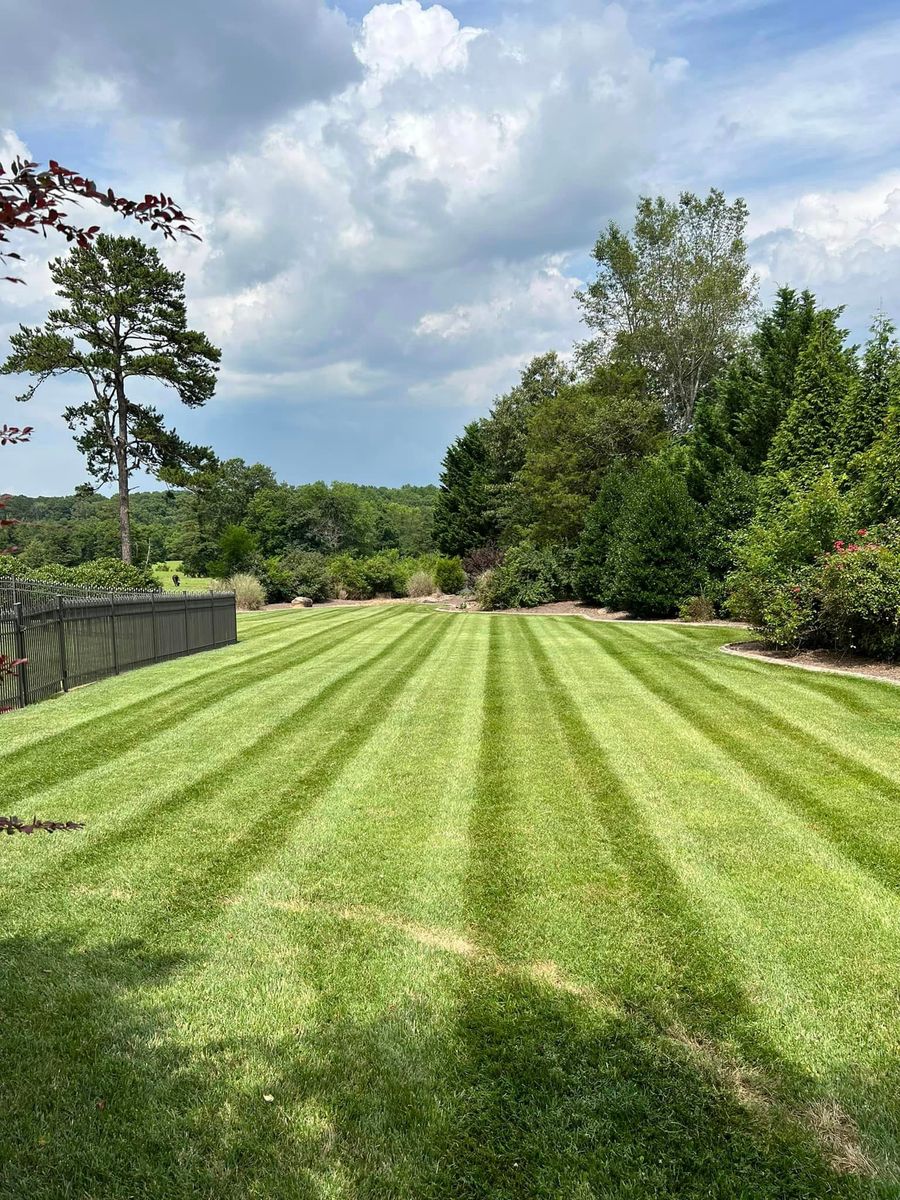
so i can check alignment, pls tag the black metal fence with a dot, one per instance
(72, 635)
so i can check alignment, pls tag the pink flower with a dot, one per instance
(838, 545)
(863, 532)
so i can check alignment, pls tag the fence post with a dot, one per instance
(61, 630)
(115, 648)
(187, 644)
(212, 619)
(21, 670)
(153, 626)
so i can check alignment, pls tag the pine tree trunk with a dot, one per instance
(124, 515)
(122, 471)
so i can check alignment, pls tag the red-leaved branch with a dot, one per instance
(32, 199)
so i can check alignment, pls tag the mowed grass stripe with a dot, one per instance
(815, 771)
(113, 731)
(357, 919)
(214, 873)
(408, 793)
(183, 811)
(818, 938)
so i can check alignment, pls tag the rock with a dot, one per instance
(301, 602)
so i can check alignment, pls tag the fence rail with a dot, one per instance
(72, 635)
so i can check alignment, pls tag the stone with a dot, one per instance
(301, 602)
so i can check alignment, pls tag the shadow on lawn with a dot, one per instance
(519, 1092)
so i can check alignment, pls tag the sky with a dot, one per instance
(398, 201)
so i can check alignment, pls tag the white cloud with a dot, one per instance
(405, 37)
(843, 244)
(419, 221)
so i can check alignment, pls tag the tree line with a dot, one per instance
(696, 454)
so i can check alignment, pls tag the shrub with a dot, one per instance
(528, 576)
(860, 595)
(113, 573)
(386, 573)
(655, 562)
(777, 581)
(110, 573)
(249, 593)
(485, 558)
(449, 575)
(420, 584)
(346, 576)
(485, 590)
(296, 573)
(234, 553)
(697, 608)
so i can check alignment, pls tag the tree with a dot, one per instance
(575, 437)
(462, 516)
(879, 493)
(30, 196)
(736, 418)
(125, 320)
(236, 549)
(506, 437)
(655, 560)
(807, 438)
(593, 574)
(674, 296)
(866, 402)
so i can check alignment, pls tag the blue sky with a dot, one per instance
(397, 201)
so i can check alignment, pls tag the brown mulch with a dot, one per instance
(574, 608)
(836, 661)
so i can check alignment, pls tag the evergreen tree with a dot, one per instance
(462, 517)
(593, 573)
(807, 438)
(655, 560)
(506, 439)
(866, 403)
(777, 342)
(575, 438)
(878, 495)
(737, 416)
(124, 319)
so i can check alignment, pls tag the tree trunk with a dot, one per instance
(124, 516)
(122, 471)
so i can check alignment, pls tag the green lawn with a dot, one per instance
(384, 902)
(189, 583)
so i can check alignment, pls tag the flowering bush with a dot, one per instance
(776, 585)
(860, 593)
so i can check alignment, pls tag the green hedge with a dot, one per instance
(109, 573)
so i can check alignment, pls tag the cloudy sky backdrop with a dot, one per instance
(397, 201)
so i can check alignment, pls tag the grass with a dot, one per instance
(390, 903)
(163, 572)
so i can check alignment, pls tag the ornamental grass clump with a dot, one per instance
(249, 593)
(420, 584)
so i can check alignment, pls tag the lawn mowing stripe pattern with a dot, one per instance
(863, 841)
(143, 718)
(482, 903)
(142, 824)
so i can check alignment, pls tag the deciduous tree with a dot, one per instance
(673, 296)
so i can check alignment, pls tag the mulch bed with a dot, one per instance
(844, 663)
